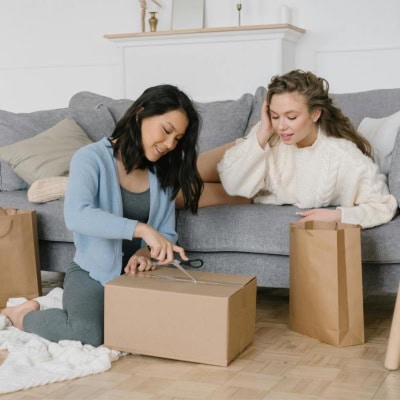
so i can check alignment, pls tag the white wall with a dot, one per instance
(51, 49)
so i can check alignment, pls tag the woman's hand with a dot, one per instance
(139, 262)
(321, 214)
(265, 130)
(162, 249)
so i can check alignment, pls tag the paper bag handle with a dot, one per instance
(12, 211)
(5, 228)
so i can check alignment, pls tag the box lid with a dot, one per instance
(171, 279)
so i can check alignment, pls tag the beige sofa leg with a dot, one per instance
(392, 360)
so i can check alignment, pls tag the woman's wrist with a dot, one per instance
(263, 136)
(140, 230)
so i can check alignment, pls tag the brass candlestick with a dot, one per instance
(239, 8)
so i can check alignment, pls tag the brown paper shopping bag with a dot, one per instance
(19, 255)
(326, 295)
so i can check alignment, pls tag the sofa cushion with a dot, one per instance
(9, 180)
(223, 121)
(46, 154)
(90, 99)
(381, 133)
(237, 228)
(96, 122)
(264, 229)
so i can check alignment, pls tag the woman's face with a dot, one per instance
(292, 121)
(161, 133)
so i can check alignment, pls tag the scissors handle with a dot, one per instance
(194, 263)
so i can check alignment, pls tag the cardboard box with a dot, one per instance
(163, 313)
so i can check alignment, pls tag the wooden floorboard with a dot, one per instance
(279, 365)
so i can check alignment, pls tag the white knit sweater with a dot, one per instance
(331, 172)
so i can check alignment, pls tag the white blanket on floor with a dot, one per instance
(34, 361)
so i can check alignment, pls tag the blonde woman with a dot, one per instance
(302, 152)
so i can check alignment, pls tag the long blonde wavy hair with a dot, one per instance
(315, 92)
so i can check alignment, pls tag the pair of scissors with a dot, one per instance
(194, 263)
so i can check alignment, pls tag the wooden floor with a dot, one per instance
(279, 365)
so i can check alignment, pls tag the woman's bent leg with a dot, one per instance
(82, 316)
(213, 193)
(207, 162)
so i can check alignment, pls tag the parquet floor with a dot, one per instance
(279, 365)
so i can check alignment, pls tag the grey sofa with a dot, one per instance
(244, 239)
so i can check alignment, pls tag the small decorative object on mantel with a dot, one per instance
(239, 9)
(143, 6)
(153, 21)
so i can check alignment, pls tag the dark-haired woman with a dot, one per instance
(119, 204)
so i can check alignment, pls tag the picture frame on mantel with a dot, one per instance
(187, 14)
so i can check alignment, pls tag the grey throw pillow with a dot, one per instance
(223, 121)
(14, 127)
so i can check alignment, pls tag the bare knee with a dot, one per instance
(207, 162)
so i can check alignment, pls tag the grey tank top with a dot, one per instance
(135, 206)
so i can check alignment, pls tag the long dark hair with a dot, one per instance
(315, 92)
(176, 169)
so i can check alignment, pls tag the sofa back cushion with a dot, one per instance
(221, 121)
(89, 99)
(377, 103)
(255, 114)
(14, 127)
(372, 103)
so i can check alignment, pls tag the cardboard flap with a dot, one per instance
(172, 280)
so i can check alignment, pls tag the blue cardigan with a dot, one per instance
(93, 211)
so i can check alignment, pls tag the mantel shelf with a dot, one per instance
(209, 63)
(204, 31)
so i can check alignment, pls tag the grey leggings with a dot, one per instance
(82, 316)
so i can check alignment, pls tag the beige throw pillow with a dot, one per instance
(47, 154)
(48, 189)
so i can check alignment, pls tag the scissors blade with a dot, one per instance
(178, 265)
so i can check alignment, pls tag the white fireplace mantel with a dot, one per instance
(209, 64)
